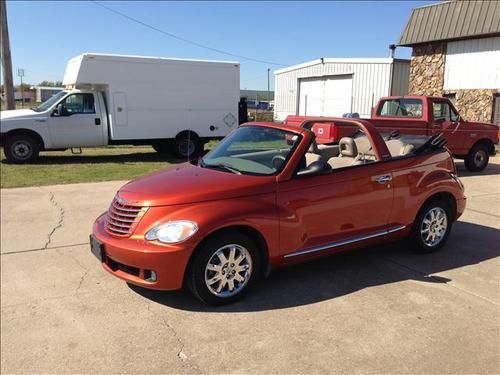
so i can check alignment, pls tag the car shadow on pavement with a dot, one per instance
(335, 276)
(491, 170)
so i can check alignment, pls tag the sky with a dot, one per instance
(44, 35)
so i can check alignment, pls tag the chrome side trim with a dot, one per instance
(346, 242)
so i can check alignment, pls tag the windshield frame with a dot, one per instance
(203, 164)
(50, 102)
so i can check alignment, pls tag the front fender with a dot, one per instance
(37, 125)
(256, 212)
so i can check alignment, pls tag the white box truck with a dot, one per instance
(175, 105)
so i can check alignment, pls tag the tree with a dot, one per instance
(51, 83)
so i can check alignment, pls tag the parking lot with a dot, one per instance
(377, 310)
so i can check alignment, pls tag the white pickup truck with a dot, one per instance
(174, 105)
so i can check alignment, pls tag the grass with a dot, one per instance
(93, 165)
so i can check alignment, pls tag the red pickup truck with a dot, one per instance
(471, 141)
(268, 196)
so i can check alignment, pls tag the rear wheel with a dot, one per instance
(477, 159)
(21, 148)
(224, 269)
(187, 145)
(432, 227)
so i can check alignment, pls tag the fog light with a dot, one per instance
(150, 276)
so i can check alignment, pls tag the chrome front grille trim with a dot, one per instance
(122, 218)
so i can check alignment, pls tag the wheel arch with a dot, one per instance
(187, 133)
(488, 143)
(444, 196)
(29, 132)
(251, 232)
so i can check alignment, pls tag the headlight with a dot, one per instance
(172, 231)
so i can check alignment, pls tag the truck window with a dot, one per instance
(442, 111)
(79, 103)
(401, 108)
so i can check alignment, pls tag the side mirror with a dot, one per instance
(316, 168)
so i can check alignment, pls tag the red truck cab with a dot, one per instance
(474, 142)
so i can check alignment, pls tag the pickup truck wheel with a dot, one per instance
(187, 146)
(21, 148)
(477, 159)
(432, 227)
(224, 269)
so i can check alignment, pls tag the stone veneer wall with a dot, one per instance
(427, 78)
(474, 105)
(427, 69)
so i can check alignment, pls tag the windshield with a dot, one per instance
(252, 150)
(50, 102)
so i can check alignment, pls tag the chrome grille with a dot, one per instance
(122, 218)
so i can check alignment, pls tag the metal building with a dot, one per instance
(333, 87)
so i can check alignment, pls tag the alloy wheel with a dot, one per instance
(434, 226)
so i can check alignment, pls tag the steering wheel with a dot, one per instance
(277, 161)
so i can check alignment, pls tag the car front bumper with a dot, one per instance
(140, 262)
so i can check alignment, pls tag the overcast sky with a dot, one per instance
(44, 35)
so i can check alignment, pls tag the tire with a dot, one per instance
(21, 149)
(187, 145)
(432, 227)
(165, 147)
(216, 251)
(477, 159)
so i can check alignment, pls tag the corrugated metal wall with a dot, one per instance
(473, 64)
(400, 78)
(371, 80)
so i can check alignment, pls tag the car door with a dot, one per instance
(446, 121)
(324, 211)
(77, 122)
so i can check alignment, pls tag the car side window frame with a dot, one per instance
(63, 102)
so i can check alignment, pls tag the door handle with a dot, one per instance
(383, 179)
(97, 121)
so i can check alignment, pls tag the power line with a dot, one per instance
(181, 38)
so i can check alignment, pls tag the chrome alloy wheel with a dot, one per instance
(434, 226)
(228, 270)
(22, 150)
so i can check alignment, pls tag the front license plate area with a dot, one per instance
(97, 248)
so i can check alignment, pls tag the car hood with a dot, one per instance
(189, 183)
(482, 126)
(17, 114)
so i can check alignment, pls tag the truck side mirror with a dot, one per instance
(56, 111)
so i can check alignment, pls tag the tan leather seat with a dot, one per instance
(328, 151)
(348, 153)
(398, 148)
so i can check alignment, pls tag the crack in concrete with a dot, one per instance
(80, 265)
(59, 224)
(180, 353)
(43, 249)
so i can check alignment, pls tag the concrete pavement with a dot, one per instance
(378, 310)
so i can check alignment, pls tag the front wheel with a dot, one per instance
(432, 227)
(224, 269)
(477, 159)
(21, 148)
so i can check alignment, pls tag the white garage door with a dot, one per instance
(325, 96)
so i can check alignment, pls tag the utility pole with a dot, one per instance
(8, 80)
(268, 92)
(20, 73)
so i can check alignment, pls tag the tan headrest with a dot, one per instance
(364, 145)
(348, 147)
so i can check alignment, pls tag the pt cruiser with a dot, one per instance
(268, 195)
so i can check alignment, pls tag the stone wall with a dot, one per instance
(474, 105)
(427, 69)
(427, 78)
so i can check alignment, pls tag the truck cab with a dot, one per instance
(71, 118)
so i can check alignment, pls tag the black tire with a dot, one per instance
(187, 145)
(425, 245)
(21, 149)
(165, 147)
(477, 159)
(198, 272)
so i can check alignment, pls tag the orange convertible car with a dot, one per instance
(268, 196)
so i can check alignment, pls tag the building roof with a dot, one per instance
(452, 20)
(348, 60)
